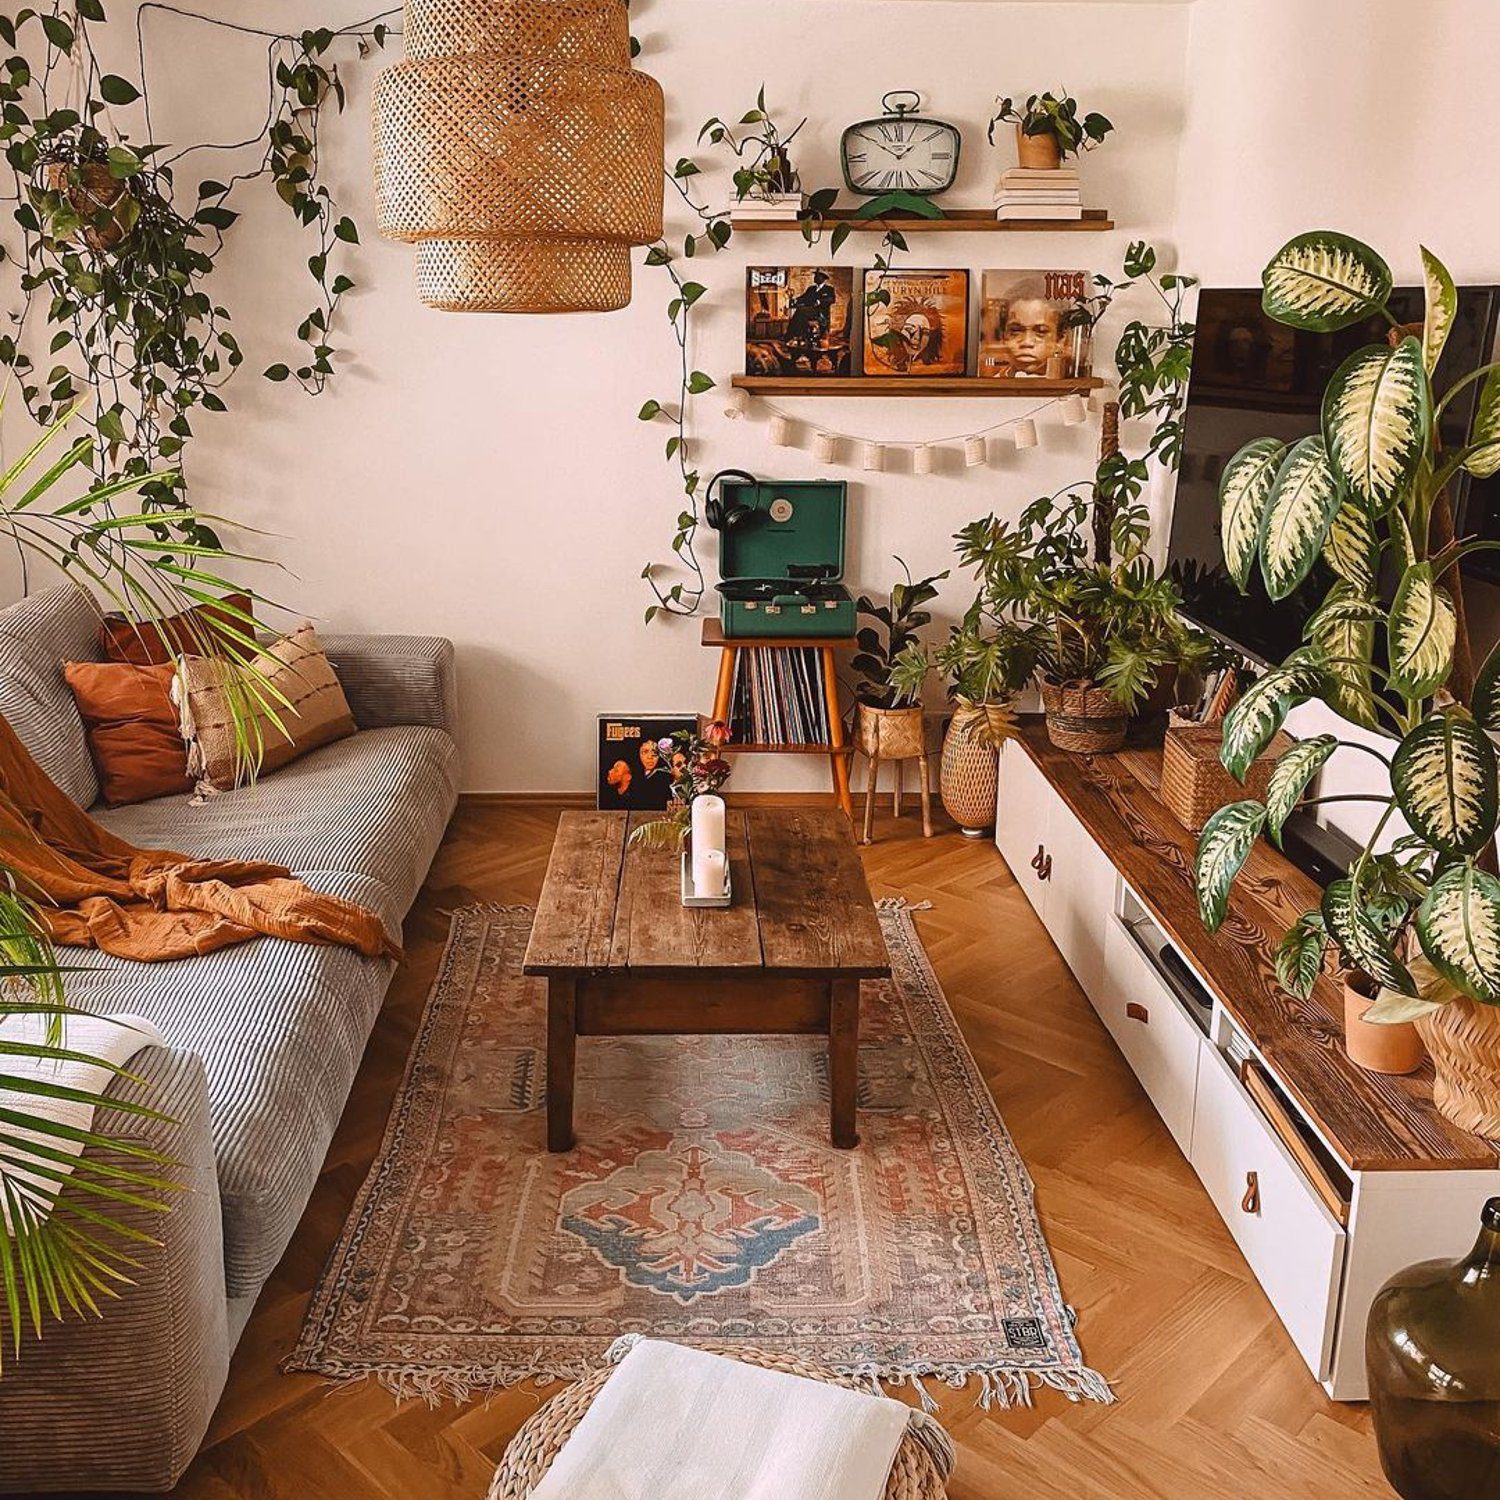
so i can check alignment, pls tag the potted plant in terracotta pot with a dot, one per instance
(888, 721)
(1048, 128)
(1420, 912)
(985, 664)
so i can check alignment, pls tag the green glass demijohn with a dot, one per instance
(1432, 1347)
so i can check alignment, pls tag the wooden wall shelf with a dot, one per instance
(958, 221)
(912, 385)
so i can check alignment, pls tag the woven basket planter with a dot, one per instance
(915, 1475)
(890, 733)
(970, 771)
(1463, 1039)
(1194, 783)
(1083, 718)
(96, 195)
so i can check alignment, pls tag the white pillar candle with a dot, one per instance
(825, 447)
(976, 451)
(872, 455)
(1075, 410)
(921, 458)
(710, 872)
(781, 431)
(708, 823)
(1023, 434)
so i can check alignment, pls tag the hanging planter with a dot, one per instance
(84, 202)
(521, 153)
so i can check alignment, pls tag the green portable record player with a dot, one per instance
(781, 555)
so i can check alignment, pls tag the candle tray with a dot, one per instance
(688, 898)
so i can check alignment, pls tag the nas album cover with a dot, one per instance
(1034, 325)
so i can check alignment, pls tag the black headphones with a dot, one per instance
(715, 512)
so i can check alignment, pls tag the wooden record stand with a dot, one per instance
(837, 751)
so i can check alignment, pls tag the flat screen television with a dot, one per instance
(1253, 377)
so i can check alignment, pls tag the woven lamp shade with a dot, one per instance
(519, 150)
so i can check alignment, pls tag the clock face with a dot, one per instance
(900, 153)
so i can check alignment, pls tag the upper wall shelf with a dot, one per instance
(911, 385)
(958, 221)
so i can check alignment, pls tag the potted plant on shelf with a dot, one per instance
(1367, 494)
(1048, 128)
(985, 664)
(765, 173)
(888, 708)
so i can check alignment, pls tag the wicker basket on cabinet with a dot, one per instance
(1194, 783)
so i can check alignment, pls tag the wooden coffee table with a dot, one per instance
(623, 957)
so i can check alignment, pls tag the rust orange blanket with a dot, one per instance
(96, 891)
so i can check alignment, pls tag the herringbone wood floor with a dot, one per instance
(1213, 1400)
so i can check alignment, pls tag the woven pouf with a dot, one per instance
(915, 1475)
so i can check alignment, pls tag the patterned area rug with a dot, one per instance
(702, 1202)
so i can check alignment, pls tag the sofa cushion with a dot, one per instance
(281, 1026)
(37, 635)
(363, 806)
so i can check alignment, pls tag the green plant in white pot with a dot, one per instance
(1420, 913)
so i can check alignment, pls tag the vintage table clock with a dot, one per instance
(900, 160)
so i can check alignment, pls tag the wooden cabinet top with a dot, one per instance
(1373, 1122)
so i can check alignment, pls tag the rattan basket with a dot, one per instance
(916, 1475)
(1082, 718)
(1194, 783)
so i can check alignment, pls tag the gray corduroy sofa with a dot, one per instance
(263, 1041)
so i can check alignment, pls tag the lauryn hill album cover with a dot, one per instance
(920, 324)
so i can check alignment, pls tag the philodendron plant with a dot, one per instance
(1419, 914)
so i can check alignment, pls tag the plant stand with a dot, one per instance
(895, 735)
(837, 751)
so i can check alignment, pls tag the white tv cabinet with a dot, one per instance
(1328, 1177)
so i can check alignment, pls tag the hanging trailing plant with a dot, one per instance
(763, 166)
(115, 255)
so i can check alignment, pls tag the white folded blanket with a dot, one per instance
(113, 1040)
(679, 1424)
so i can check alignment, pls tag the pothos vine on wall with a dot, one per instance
(760, 148)
(114, 269)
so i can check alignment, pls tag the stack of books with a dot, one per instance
(777, 698)
(782, 206)
(1037, 193)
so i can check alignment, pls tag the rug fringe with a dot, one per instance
(998, 1388)
(900, 903)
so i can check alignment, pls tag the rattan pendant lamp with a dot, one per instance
(520, 151)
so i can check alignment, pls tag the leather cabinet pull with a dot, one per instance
(1138, 1012)
(1250, 1203)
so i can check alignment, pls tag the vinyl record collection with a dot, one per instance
(777, 698)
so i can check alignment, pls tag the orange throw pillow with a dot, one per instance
(150, 643)
(132, 728)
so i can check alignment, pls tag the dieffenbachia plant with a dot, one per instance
(1421, 917)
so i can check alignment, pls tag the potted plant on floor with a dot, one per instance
(1048, 128)
(985, 664)
(1367, 494)
(888, 721)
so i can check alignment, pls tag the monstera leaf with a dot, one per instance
(1459, 927)
(1422, 630)
(1484, 438)
(1442, 308)
(1243, 492)
(1323, 281)
(1290, 777)
(1444, 778)
(1352, 549)
(1377, 418)
(1253, 721)
(1298, 513)
(1223, 847)
(1343, 630)
(1362, 939)
(1299, 955)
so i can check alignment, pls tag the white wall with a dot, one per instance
(1366, 116)
(485, 477)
